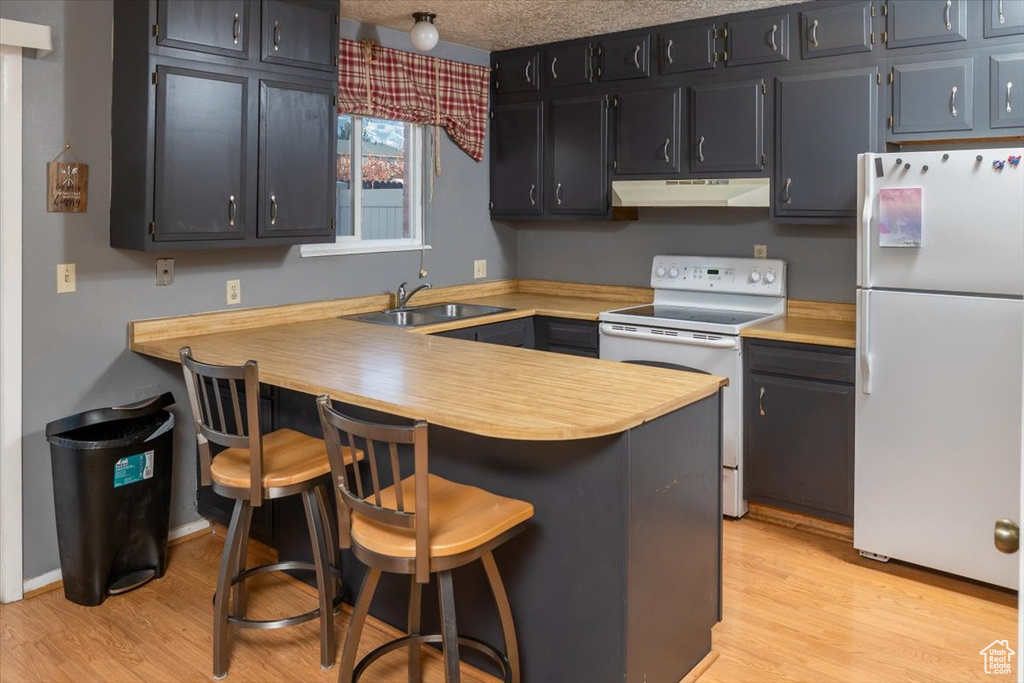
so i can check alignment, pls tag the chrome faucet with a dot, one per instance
(403, 298)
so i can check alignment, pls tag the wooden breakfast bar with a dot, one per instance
(618, 575)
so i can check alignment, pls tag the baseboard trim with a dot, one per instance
(800, 522)
(702, 666)
(52, 580)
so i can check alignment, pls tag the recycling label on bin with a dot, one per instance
(133, 468)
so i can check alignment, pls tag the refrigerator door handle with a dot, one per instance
(866, 217)
(864, 340)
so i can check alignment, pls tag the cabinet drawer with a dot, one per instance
(933, 96)
(300, 33)
(913, 22)
(510, 333)
(572, 351)
(840, 30)
(757, 40)
(567, 65)
(691, 48)
(627, 57)
(579, 334)
(801, 360)
(517, 72)
(1006, 90)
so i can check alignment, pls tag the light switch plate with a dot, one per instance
(164, 272)
(760, 251)
(66, 278)
(234, 292)
(479, 268)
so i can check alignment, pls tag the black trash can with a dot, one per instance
(112, 493)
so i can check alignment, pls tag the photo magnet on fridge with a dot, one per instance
(899, 217)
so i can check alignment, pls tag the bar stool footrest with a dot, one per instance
(266, 624)
(484, 648)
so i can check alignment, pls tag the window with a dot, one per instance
(380, 187)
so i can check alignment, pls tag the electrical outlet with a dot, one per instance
(760, 251)
(164, 272)
(66, 278)
(234, 292)
(479, 269)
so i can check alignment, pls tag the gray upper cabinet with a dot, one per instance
(567, 65)
(302, 33)
(516, 157)
(517, 72)
(837, 30)
(578, 179)
(933, 96)
(688, 48)
(926, 22)
(296, 160)
(1006, 91)
(625, 57)
(728, 127)
(647, 136)
(822, 122)
(1004, 17)
(757, 40)
(200, 156)
(219, 27)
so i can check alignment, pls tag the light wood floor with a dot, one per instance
(797, 608)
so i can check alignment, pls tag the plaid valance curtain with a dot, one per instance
(391, 84)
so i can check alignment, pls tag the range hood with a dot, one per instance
(717, 192)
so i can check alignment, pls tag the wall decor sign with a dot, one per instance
(67, 184)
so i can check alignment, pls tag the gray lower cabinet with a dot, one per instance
(687, 48)
(647, 131)
(1003, 17)
(757, 39)
(1006, 91)
(576, 177)
(926, 22)
(822, 122)
(296, 160)
(727, 127)
(516, 158)
(568, 336)
(799, 428)
(516, 71)
(201, 177)
(302, 33)
(933, 96)
(517, 333)
(625, 57)
(567, 65)
(838, 30)
(219, 27)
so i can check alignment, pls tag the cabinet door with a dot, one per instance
(578, 151)
(933, 96)
(757, 40)
(516, 139)
(823, 121)
(200, 175)
(627, 57)
(567, 65)
(1003, 17)
(296, 168)
(1006, 91)
(301, 33)
(913, 22)
(838, 30)
(728, 127)
(689, 48)
(647, 124)
(516, 72)
(799, 444)
(217, 27)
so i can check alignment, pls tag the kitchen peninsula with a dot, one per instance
(618, 575)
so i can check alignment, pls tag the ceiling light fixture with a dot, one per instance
(423, 33)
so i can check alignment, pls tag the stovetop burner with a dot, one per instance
(688, 314)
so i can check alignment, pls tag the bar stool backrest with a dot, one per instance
(344, 431)
(214, 425)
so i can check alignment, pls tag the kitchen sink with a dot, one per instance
(428, 315)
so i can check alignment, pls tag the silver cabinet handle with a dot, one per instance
(277, 35)
(273, 209)
(775, 29)
(528, 65)
(668, 52)
(533, 202)
(636, 56)
(1002, 17)
(232, 210)
(554, 76)
(760, 402)
(664, 152)
(1009, 109)
(785, 196)
(700, 149)
(558, 194)
(949, 4)
(236, 29)
(952, 101)
(814, 33)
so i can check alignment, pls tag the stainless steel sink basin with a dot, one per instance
(429, 315)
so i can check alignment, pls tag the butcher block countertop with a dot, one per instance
(810, 322)
(485, 389)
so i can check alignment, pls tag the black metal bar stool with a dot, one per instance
(420, 525)
(254, 467)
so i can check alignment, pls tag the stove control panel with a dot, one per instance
(760, 277)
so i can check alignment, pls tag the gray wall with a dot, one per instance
(821, 260)
(75, 354)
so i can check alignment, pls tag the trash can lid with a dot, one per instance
(100, 415)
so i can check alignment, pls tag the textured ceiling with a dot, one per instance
(503, 24)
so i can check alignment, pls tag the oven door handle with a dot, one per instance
(608, 330)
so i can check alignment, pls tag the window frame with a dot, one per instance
(416, 166)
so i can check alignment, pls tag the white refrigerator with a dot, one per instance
(940, 322)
